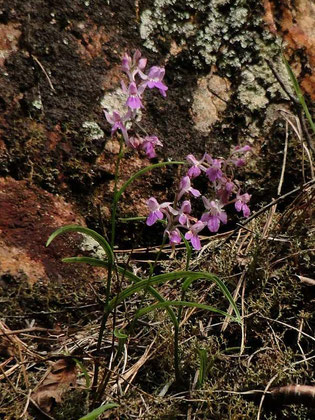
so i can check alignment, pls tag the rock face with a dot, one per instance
(209, 101)
(296, 26)
(28, 216)
(60, 65)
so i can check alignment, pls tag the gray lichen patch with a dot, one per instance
(89, 244)
(207, 26)
(227, 34)
(114, 101)
(258, 85)
(93, 130)
(251, 94)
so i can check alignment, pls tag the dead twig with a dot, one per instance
(44, 71)
(289, 326)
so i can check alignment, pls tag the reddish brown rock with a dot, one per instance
(296, 26)
(93, 40)
(28, 216)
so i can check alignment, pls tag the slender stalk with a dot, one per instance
(178, 376)
(116, 197)
(152, 268)
(110, 266)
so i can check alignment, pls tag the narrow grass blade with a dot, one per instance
(135, 279)
(120, 334)
(80, 229)
(162, 278)
(98, 411)
(203, 358)
(131, 219)
(299, 92)
(166, 304)
(84, 371)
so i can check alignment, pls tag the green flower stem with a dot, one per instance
(110, 266)
(116, 195)
(147, 286)
(179, 315)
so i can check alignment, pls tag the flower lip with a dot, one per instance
(197, 165)
(183, 213)
(154, 79)
(134, 99)
(215, 172)
(185, 186)
(192, 234)
(174, 236)
(241, 203)
(157, 210)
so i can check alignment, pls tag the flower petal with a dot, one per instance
(182, 219)
(195, 192)
(238, 205)
(153, 204)
(195, 241)
(213, 223)
(246, 210)
(152, 218)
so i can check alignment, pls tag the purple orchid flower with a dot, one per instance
(135, 142)
(185, 186)
(214, 172)
(192, 234)
(157, 210)
(126, 63)
(197, 167)
(183, 212)
(244, 149)
(134, 100)
(154, 79)
(149, 144)
(238, 150)
(118, 122)
(133, 65)
(215, 214)
(241, 203)
(174, 237)
(225, 189)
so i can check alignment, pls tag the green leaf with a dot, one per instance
(166, 304)
(80, 229)
(162, 278)
(203, 358)
(98, 411)
(100, 263)
(131, 219)
(298, 92)
(84, 371)
(120, 334)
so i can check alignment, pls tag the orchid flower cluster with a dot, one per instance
(225, 190)
(134, 68)
(220, 172)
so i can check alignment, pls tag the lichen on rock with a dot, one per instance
(93, 130)
(227, 34)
